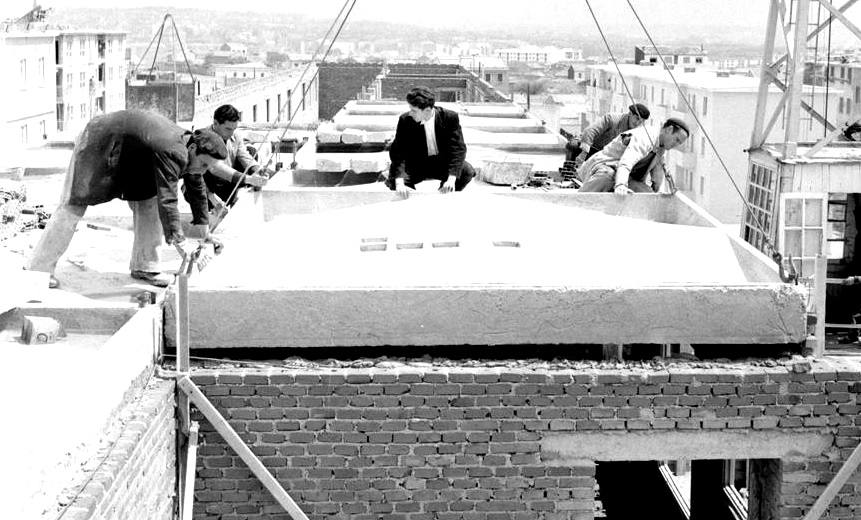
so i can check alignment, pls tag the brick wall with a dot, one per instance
(421, 443)
(137, 479)
(340, 82)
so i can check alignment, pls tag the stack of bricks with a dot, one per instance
(466, 443)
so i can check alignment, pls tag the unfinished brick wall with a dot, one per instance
(455, 443)
(137, 479)
(341, 82)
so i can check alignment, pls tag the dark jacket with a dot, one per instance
(131, 155)
(409, 151)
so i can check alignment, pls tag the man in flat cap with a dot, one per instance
(601, 132)
(633, 162)
(139, 157)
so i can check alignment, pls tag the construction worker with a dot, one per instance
(138, 157)
(601, 132)
(633, 162)
(428, 144)
(241, 168)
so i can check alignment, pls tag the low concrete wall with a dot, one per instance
(422, 441)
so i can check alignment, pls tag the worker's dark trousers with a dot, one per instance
(572, 150)
(412, 177)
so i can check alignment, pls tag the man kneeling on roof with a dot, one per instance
(601, 132)
(428, 144)
(633, 162)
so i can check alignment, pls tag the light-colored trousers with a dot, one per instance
(58, 235)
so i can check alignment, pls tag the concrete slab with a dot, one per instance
(345, 120)
(522, 271)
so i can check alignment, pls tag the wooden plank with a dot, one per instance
(822, 143)
(232, 438)
(846, 471)
(190, 470)
(183, 359)
(820, 282)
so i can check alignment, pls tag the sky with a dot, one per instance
(459, 12)
(614, 15)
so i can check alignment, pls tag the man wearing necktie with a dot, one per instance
(428, 144)
(633, 162)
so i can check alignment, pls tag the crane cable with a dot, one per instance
(670, 182)
(787, 273)
(292, 115)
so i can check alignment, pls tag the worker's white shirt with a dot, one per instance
(430, 134)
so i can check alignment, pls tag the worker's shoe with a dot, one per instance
(53, 283)
(156, 279)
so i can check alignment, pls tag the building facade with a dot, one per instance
(90, 77)
(723, 103)
(28, 113)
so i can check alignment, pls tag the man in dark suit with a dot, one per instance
(428, 144)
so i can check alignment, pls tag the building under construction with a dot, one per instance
(349, 355)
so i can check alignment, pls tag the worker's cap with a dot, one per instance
(677, 123)
(639, 109)
(208, 143)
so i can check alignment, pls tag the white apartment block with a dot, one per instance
(724, 104)
(28, 110)
(538, 55)
(90, 77)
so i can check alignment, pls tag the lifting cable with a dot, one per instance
(670, 182)
(787, 274)
(292, 115)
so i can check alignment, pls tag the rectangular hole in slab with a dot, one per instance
(410, 245)
(373, 247)
(454, 243)
(506, 243)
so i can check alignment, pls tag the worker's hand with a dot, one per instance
(580, 159)
(256, 180)
(621, 189)
(448, 185)
(852, 280)
(402, 189)
(185, 248)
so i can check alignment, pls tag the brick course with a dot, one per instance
(457, 443)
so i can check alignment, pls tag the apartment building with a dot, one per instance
(724, 104)
(90, 76)
(538, 55)
(28, 110)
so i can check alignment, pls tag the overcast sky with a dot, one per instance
(614, 15)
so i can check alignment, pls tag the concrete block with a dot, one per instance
(369, 162)
(505, 173)
(332, 162)
(354, 136)
(328, 134)
(379, 137)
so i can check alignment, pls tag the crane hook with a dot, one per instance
(786, 269)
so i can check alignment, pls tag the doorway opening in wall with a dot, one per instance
(732, 489)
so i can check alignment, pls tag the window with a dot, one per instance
(82, 47)
(836, 226)
(82, 79)
(254, 113)
(698, 60)
(702, 146)
(652, 97)
(304, 92)
(499, 78)
(803, 217)
(22, 70)
(663, 92)
(110, 45)
(68, 79)
(42, 68)
(83, 111)
(267, 110)
(702, 185)
(760, 196)
(42, 133)
(686, 59)
(840, 106)
(23, 133)
(487, 78)
(705, 106)
(110, 73)
(857, 94)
